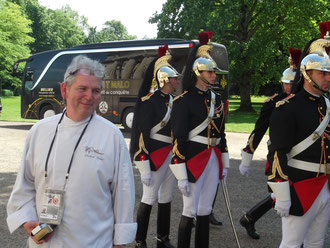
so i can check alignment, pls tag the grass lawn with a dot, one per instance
(237, 121)
(11, 109)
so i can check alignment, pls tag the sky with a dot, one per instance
(133, 14)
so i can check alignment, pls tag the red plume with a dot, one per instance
(295, 55)
(203, 37)
(162, 50)
(324, 27)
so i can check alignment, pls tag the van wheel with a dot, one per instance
(127, 119)
(46, 111)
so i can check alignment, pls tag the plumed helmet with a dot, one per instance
(205, 64)
(163, 70)
(204, 61)
(315, 62)
(290, 73)
(166, 72)
(321, 46)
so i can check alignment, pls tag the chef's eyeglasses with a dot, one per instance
(87, 72)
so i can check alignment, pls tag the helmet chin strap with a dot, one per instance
(203, 79)
(311, 81)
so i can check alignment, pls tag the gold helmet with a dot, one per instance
(290, 73)
(314, 62)
(204, 61)
(322, 46)
(163, 70)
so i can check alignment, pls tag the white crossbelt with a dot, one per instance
(162, 138)
(206, 122)
(307, 166)
(153, 132)
(303, 145)
(206, 140)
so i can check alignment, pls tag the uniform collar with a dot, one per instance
(311, 96)
(202, 92)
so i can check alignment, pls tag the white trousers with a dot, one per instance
(163, 184)
(310, 228)
(203, 191)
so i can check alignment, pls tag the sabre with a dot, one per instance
(226, 196)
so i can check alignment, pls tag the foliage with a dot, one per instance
(27, 27)
(112, 30)
(256, 33)
(53, 29)
(14, 38)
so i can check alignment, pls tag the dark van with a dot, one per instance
(125, 63)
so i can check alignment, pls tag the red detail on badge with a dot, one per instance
(55, 201)
(308, 190)
(142, 157)
(278, 180)
(158, 157)
(175, 161)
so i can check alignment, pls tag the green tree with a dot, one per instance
(67, 26)
(256, 33)
(53, 29)
(14, 41)
(111, 31)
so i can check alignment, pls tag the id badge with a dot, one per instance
(52, 207)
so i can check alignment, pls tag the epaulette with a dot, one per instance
(271, 98)
(285, 100)
(147, 97)
(181, 95)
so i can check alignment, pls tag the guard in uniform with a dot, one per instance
(298, 157)
(151, 145)
(200, 154)
(256, 212)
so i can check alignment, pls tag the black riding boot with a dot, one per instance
(202, 232)
(163, 225)
(142, 220)
(254, 214)
(184, 235)
(212, 219)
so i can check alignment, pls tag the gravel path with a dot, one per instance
(244, 193)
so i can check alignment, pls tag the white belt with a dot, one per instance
(307, 166)
(303, 145)
(160, 137)
(206, 140)
(206, 122)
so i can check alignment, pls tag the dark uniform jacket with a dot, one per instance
(189, 110)
(291, 123)
(262, 123)
(152, 111)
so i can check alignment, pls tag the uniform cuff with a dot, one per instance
(143, 166)
(246, 158)
(124, 233)
(225, 159)
(281, 190)
(179, 171)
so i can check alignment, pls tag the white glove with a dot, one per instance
(224, 174)
(146, 179)
(282, 208)
(244, 170)
(183, 185)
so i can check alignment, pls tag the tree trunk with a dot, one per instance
(244, 89)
